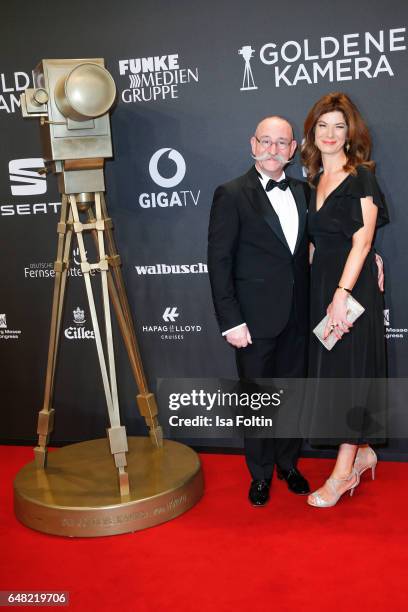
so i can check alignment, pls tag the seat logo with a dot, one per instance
(31, 182)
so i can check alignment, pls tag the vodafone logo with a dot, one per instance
(180, 168)
(167, 169)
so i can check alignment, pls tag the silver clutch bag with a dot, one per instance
(354, 311)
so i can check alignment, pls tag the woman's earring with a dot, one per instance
(347, 147)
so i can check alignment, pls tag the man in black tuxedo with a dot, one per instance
(258, 268)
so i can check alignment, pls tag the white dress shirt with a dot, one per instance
(285, 207)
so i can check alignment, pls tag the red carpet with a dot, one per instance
(224, 554)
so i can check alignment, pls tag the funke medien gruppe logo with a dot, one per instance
(158, 77)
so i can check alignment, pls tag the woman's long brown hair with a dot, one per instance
(358, 136)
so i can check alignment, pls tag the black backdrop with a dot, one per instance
(197, 105)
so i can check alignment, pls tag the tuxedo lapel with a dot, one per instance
(297, 190)
(261, 204)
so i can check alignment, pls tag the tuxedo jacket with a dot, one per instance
(255, 278)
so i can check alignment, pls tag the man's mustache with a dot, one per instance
(265, 156)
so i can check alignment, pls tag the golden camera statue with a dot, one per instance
(72, 99)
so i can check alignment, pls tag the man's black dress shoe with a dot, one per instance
(295, 481)
(259, 492)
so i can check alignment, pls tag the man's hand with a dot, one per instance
(240, 338)
(380, 266)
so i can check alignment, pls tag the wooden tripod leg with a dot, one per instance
(146, 401)
(116, 433)
(64, 277)
(46, 414)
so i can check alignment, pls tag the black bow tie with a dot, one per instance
(284, 184)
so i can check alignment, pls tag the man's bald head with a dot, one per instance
(273, 120)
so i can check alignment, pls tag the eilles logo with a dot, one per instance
(79, 316)
(78, 331)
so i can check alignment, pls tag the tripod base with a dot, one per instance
(77, 494)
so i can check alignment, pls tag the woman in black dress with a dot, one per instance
(346, 207)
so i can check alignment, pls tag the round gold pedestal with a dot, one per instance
(77, 494)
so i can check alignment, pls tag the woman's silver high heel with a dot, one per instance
(315, 499)
(362, 464)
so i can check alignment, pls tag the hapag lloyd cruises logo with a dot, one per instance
(78, 331)
(172, 329)
(343, 57)
(155, 78)
(167, 168)
(170, 314)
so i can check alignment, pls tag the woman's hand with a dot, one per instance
(337, 312)
(380, 270)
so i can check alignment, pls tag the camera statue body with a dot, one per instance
(72, 98)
